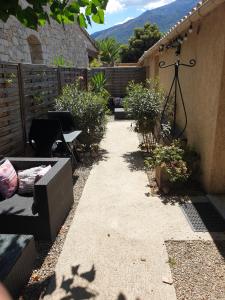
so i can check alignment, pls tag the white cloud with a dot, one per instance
(114, 6)
(141, 9)
(124, 21)
(157, 3)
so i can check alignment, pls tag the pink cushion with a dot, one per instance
(8, 179)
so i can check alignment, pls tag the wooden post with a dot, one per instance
(86, 78)
(22, 101)
(59, 80)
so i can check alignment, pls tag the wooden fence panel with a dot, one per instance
(11, 129)
(70, 75)
(29, 91)
(119, 77)
(40, 88)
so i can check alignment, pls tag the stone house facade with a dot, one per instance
(202, 37)
(20, 44)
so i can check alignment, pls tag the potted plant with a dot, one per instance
(8, 81)
(174, 165)
(143, 103)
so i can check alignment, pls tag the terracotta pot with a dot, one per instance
(162, 179)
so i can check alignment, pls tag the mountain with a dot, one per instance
(165, 17)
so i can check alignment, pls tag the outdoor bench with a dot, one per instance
(121, 114)
(42, 214)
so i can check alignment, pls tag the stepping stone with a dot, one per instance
(17, 255)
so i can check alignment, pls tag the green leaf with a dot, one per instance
(74, 7)
(88, 11)
(63, 11)
(96, 2)
(81, 20)
(83, 3)
(99, 17)
(94, 9)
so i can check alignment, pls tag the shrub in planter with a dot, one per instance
(174, 164)
(143, 102)
(89, 110)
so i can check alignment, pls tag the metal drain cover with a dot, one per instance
(203, 217)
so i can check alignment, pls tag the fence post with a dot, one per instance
(22, 101)
(86, 78)
(59, 80)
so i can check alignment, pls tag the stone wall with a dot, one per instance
(72, 43)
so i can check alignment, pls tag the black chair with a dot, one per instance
(65, 118)
(47, 140)
(71, 134)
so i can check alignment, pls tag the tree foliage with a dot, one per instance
(143, 39)
(34, 13)
(89, 109)
(109, 50)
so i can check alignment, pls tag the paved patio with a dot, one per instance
(115, 247)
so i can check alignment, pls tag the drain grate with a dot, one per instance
(203, 217)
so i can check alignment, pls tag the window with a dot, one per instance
(35, 50)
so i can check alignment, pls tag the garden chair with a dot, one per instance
(46, 138)
(69, 129)
(65, 118)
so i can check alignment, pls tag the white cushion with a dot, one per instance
(27, 178)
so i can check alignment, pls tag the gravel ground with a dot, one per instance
(198, 269)
(48, 253)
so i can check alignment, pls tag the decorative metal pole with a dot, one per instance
(177, 88)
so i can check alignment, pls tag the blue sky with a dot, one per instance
(120, 11)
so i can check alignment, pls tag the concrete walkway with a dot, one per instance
(115, 247)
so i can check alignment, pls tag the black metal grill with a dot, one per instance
(203, 217)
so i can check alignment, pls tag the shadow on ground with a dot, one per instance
(123, 297)
(93, 157)
(77, 292)
(135, 161)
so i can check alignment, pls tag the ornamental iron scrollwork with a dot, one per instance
(175, 134)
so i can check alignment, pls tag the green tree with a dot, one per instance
(142, 40)
(109, 50)
(37, 12)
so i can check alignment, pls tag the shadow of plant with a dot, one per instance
(88, 159)
(135, 161)
(123, 297)
(173, 199)
(71, 290)
(77, 292)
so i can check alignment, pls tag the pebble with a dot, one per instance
(200, 269)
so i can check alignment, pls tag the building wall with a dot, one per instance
(71, 43)
(204, 93)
